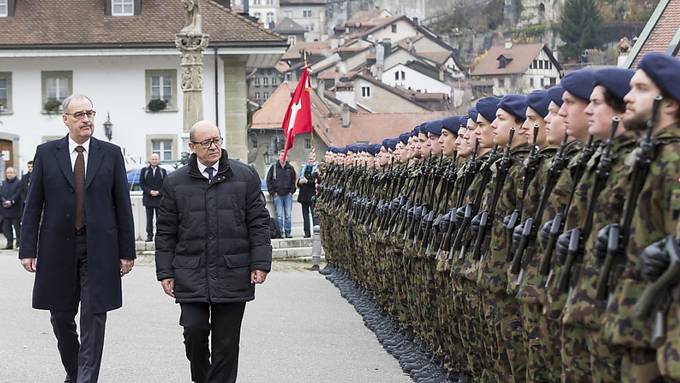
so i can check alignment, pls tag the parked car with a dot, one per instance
(133, 177)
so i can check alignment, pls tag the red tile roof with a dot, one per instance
(84, 23)
(375, 127)
(522, 55)
(270, 115)
(664, 29)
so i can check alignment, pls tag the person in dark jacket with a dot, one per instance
(78, 230)
(281, 180)
(212, 247)
(10, 194)
(25, 183)
(151, 180)
(307, 184)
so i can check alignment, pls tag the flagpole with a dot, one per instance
(311, 134)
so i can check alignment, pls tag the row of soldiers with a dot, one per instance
(533, 239)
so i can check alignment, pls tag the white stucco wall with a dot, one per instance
(117, 85)
(414, 80)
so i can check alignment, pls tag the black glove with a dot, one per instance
(506, 220)
(474, 224)
(460, 216)
(601, 242)
(544, 234)
(562, 247)
(395, 203)
(516, 237)
(655, 261)
(437, 224)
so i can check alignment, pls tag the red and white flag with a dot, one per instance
(298, 118)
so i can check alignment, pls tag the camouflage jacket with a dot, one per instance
(657, 213)
(492, 274)
(582, 306)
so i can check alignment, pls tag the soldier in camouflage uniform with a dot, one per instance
(542, 335)
(654, 215)
(500, 310)
(604, 194)
(463, 270)
(537, 350)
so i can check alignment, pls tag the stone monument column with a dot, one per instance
(191, 41)
(235, 108)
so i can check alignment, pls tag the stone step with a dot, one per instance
(292, 252)
(283, 243)
(287, 243)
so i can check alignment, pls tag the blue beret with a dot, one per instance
(664, 71)
(555, 94)
(462, 121)
(487, 107)
(373, 149)
(404, 137)
(615, 80)
(514, 104)
(472, 113)
(539, 100)
(393, 143)
(433, 127)
(415, 131)
(579, 83)
(451, 124)
(342, 150)
(385, 142)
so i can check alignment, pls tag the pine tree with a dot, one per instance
(580, 27)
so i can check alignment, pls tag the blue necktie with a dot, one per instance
(210, 170)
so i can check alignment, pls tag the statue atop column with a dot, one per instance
(193, 26)
(191, 41)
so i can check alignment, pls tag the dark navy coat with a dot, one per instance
(11, 191)
(148, 182)
(47, 231)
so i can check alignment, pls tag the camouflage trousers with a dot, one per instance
(504, 324)
(668, 355)
(543, 362)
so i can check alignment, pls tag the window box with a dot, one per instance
(56, 86)
(161, 85)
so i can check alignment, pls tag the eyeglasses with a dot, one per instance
(79, 115)
(206, 144)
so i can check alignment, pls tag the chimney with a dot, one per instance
(387, 44)
(246, 8)
(441, 73)
(379, 61)
(345, 116)
(508, 44)
(224, 3)
(415, 20)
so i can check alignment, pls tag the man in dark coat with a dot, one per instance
(78, 237)
(307, 184)
(25, 182)
(281, 181)
(151, 180)
(212, 247)
(10, 194)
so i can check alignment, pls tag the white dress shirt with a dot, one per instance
(74, 154)
(201, 168)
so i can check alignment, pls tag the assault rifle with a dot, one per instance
(487, 217)
(431, 223)
(530, 169)
(531, 224)
(558, 222)
(656, 294)
(617, 240)
(471, 209)
(580, 236)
